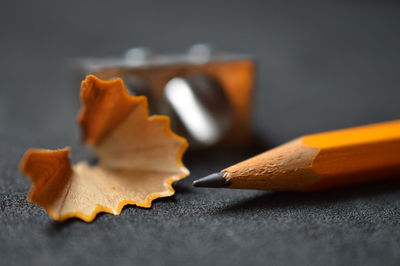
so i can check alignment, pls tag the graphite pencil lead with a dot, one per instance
(215, 180)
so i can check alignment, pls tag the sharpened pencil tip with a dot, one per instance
(215, 180)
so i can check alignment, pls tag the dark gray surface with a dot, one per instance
(321, 66)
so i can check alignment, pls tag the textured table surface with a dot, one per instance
(321, 67)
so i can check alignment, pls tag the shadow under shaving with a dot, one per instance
(55, 227)
(272, 200)
(179, 189)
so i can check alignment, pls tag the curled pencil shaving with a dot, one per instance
(139, 158)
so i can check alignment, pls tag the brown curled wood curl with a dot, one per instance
(139, 158)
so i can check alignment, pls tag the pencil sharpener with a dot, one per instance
(207, 94)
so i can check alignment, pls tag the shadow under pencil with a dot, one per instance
(272, 200)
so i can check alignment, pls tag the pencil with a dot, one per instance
(319, 161)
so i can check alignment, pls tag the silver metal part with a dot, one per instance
(140, 57)
(200, 53)
(137, 56)
(200, 106)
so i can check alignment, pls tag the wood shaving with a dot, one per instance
(139, 158)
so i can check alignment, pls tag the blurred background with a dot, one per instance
(321, 65)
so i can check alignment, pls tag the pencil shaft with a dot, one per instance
(322, 161)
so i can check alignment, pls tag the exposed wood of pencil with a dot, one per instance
(324, 160)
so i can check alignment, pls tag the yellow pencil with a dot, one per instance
(319, 161)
